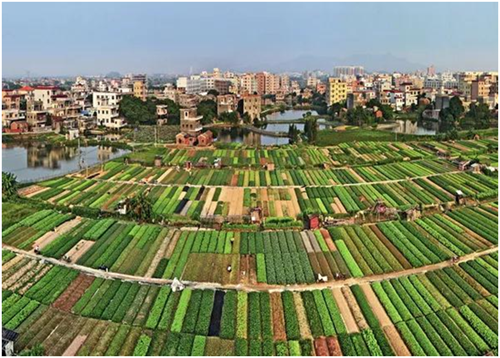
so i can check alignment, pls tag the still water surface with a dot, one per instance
(36, 161)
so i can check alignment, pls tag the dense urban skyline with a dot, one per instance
(79, 38)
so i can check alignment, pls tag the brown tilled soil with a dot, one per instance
(252, 272)
(375, 305)
(333, 346)
(234, 180)
(355, 309)
(398, 255)
(73, 293)
(279, 330)
(244, 266)
(321, 347)
(35, 279)
(32, 190)
(328, 240)
(74, 346)
(345, 312)
(305, 331)
(61, 229)
(79, 249)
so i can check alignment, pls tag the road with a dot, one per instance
(256, 287)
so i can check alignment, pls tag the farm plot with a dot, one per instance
(451, 311)
(375, 152)
(194, 322)
(24, 233)
(446, 312)
(280, 157)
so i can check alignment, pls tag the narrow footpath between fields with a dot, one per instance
(256, 287)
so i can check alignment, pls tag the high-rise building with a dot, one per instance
(336, 91)
(431, 71)
(348, 71)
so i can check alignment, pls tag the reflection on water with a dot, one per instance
(246, 137)
(409, 127)
(34, 161)
(287, 115)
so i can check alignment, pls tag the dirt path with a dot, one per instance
(257, 287)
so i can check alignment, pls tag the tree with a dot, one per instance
(359, 116)
(9, 185)
(140, 207)
(311, 128)
(446, 120)
(229, 117)
(207, 109)
(335, 109)
(293, 133)
(387, 111)
(137, 111)
(213, 92)
(478, 117)
(456, 107)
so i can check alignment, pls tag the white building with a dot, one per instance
(106, 107)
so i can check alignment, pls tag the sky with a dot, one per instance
(173, 38)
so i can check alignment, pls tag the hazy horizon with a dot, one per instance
(56, 39)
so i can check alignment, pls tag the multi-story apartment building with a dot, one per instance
(36, 115)
(336, 91)
(312, 82)
(226, 103)
(140, 90)
(479, 89)
(248, 84)
(44, 95)
(65, 108)
(222, 86)
(106, 107)
(360, 98)
(251, 104)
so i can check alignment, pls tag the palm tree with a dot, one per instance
(9, 184)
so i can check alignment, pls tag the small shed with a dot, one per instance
(463, 165)
(313, 221)
(459, 197)
(8, 339)
(256, 215)
(270, 166)
(158, 161)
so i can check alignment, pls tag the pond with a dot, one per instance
(255, 139)
(409, 127)
(244, 136)
(37, 161)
